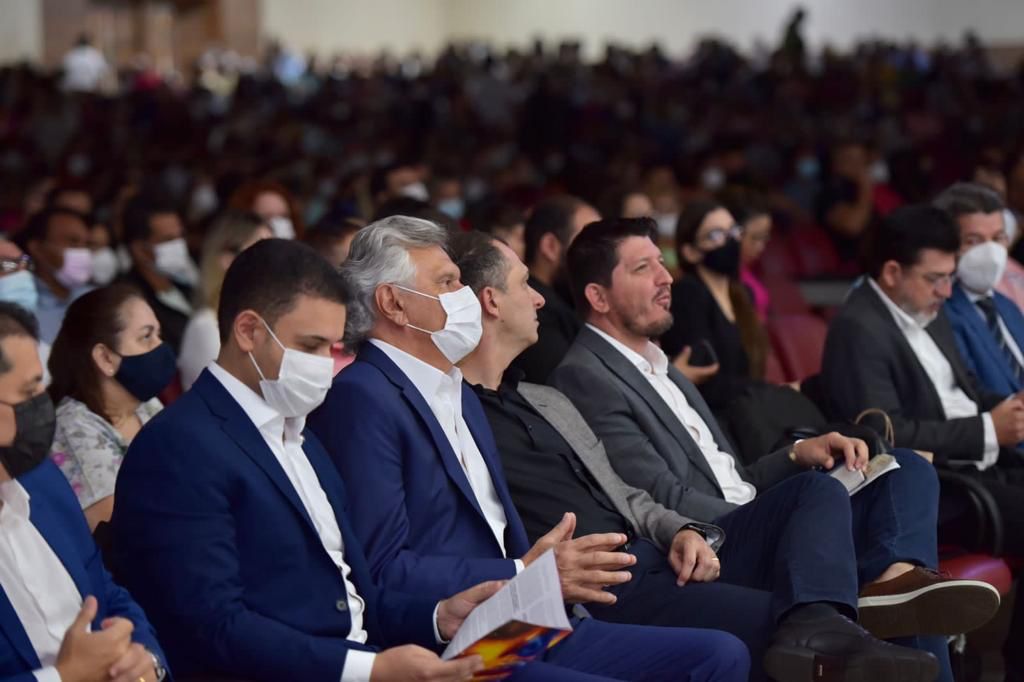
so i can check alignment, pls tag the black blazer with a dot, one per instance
(698, 317)
(868, 363)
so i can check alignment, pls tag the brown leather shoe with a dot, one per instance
(923, 602)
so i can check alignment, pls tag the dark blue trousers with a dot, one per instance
(805, 540)
(603, 651)
(653, 597)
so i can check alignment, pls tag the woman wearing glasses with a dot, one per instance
(716, 324)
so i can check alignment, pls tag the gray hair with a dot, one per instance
(380, 255)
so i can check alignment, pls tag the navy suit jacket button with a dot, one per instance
(341, 605)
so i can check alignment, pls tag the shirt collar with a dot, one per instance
(255, 407)
(903, 320)
(428, 380)
(973, 297)
(652, 361)
(15, 498)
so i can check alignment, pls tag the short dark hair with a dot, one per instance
(908, 231)
(480, 261)
(552, 215)
(139, 211)
(268, 277)
(330, 231)
(37, 229)
(594, 253)
(965, 198)
(15, 321)
(92, 318)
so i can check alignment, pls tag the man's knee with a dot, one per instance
(916, 469)
(730, 658)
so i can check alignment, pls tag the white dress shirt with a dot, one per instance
(955, 403)
(653, 365)
(443, 393)
(35, 581)
(1011, 343)
(284, 438)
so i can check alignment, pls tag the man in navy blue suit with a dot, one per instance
(232, 527)
(988, 326)
(62, 618)
(428, 498)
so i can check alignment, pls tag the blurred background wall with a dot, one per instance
(172, 31)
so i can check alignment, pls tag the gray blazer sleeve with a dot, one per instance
(629, 450)
(648, 518)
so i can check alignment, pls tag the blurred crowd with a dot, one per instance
(830, 139)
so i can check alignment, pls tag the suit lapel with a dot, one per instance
(240, 429)
(449, 459)
(570, 432)
(473, 414)
(981, 340)
(631, 376)
(866, 297)
(942, 333)
(52, 529)
(12, 628)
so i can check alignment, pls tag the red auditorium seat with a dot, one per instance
(982, 567)
(814, 252)
(777, 260)
(799, 340)
(786, 296)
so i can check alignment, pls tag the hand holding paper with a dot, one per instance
(855, 481)
(517, 624)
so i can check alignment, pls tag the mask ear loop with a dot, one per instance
(276, 340)
(419, 293)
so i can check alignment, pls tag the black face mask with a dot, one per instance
(147, 374)
(725, 260)
(35, 422)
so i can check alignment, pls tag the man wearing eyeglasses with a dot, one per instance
(18, 286)
(892, 347)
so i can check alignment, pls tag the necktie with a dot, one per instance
(988, 307)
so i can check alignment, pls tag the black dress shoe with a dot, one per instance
(835, 649)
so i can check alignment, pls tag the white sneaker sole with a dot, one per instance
(948, 608)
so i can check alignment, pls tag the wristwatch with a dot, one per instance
(158, 667)
(699, 530)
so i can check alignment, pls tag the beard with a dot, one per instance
(651, 330)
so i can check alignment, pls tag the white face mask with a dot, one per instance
(172, 259)
(463, 328)
(104, 266)
(282, 227)
(415, 190)
(981, 268)
(77, 268)
(301, 383)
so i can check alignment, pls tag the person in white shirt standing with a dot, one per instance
(231, 525)
(62, 617)
(85, 68)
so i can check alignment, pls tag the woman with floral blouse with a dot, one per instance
(108, 363)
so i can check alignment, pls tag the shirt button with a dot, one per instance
(341, 605)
